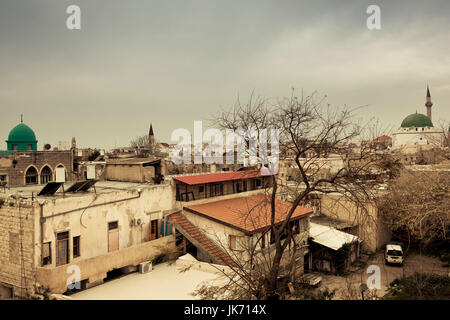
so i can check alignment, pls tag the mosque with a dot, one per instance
(417, 130)
(22, 164)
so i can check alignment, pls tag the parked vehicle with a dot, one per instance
(393, 254)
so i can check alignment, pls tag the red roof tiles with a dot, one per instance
(247, 214)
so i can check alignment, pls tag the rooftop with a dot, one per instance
(330, 237)
(165, 281)
(131, 161)
(219, 177)
(247, 214)
(101, 187)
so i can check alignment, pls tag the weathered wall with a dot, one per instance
(129, 172)
(38, 159)
(370, 229)
(94, 269)
(17, 247)
(91, 215)
(219, 233)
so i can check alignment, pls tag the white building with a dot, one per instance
(418, 129)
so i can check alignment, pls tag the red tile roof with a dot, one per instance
(219, 177)
(247, 214)
(383, 138)
(203, 241)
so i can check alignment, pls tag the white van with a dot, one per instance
(393, 254)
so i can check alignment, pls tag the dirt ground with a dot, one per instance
(348, 286)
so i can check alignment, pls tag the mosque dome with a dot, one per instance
(22, 137)
(416, 120)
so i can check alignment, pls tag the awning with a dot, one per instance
(330, 237)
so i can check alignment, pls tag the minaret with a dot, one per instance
(428, 104)
(151, 138)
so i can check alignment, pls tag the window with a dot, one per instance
(62, 248)
(3, 178)
(31, 176)
(216, 189)
(153, 229)
(113, 236)
(201, 189)
(29, 147)
(113, 225)
(14, 147)
(76, 246)
(235, 242)
(296, 226)
(263, 241)
(46, 175)
(232, 240)
(46, 253)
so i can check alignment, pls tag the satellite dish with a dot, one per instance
(47, 146)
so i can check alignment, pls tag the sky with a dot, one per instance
(171, 62)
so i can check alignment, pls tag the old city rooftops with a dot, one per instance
(101, 187)
(247, 214)
(218, 177)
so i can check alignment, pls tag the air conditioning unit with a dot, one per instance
(136, 222)
(145, 267)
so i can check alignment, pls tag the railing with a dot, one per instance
(189, 196)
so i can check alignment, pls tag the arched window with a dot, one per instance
(46, 175)
(31, 176)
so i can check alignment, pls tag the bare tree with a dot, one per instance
(140, 142)
(310, 130)
(418, 203)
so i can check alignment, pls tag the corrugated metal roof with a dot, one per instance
(330, 237)
(219, 177)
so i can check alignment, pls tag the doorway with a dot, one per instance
(62, 248)
(153, 229)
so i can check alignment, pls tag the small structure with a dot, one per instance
(134, 170)
(332, 250)
(194, 187)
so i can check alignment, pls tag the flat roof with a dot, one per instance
(219, 177)
(131, 161)
(247, 214)
(100, 188)
(330, 237)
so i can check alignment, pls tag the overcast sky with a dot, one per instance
(172, 62)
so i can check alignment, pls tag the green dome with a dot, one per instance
(416, 120)
(21, 133)
(22, 137)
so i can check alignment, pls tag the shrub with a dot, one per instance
(420, 286)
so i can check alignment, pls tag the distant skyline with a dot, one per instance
(172, 62)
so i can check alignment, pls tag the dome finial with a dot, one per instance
(21, 118)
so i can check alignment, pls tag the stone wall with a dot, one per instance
(21, 161)
(16, 248)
